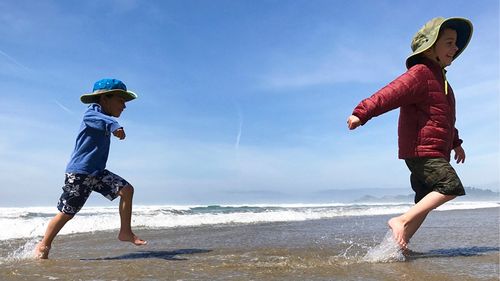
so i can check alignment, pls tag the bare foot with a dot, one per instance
(132, 239)
(42, 251)
(399, 232)
(408, 253)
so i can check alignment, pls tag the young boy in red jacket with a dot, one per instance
(426, 131)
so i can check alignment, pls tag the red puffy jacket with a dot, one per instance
(427, 115)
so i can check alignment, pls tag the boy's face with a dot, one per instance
(445, 48)
(113, 105)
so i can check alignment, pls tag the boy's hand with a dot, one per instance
(353, 122)
(459, 154)
(119, 133)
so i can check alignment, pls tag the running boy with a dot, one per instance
(426, 131)
(86, 171)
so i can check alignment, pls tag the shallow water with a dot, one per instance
(451, 245)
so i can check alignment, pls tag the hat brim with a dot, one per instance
(91, 98)
(462, 26)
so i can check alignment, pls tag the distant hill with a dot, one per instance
(472, 194)
(365, 195)
(349, 195)
(481, 194)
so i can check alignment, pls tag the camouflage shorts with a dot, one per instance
(433, 174)
(77, 189)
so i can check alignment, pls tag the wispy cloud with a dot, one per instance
(342, 65)
(240, 129)
(64, 107)
(13, 61)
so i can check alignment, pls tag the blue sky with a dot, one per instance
(238, 100)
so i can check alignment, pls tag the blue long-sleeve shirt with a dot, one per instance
(92, 143)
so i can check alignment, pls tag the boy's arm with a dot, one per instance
(119, 133)
(457, 147)
(459, 154)
(353, 122)
(456, 140)
(406, 89)
(99, 121)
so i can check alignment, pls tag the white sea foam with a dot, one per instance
(32, 221)
(467, 205)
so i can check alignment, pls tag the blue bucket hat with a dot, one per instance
(108, 86)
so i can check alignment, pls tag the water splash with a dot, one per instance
(387, 251)
(351, 252)
(24, 252)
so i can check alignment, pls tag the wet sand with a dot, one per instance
(451, 245)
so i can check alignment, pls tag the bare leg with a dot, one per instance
(405, 226)
(55, 225)
(126, 234)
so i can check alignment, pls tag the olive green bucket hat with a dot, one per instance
(428, 34)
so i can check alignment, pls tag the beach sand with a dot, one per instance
(451, 245)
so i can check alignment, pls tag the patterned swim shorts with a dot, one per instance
(77, 189)
(433, 174)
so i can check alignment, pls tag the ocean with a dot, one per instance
(29, 222)
(351, 241)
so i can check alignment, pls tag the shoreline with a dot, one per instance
(325, 249)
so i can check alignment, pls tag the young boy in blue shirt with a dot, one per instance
(86, 170)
